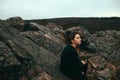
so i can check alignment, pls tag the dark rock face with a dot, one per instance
(102, 69)
(22, 48)
(108, 42)
(16, 22)
(30, 27)
(35, 53)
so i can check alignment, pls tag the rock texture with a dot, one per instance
(34, 53)
(16, 22)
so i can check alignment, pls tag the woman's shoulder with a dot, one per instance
(69, 48)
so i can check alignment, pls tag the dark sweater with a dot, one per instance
(71, 64)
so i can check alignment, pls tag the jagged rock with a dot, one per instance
(53, 26)
(30, 53)
(57, 30)
(12, 72)
(46, 38)
(21, 47)
(118, 72)
(108, 42)
(38, 53)
(7, 58)
(103, 69)
(97, 62)
(16, 22)
(104, 74)
(30, 27)
(36, 73)
(53, 31)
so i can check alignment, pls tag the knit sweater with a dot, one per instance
(71, 64)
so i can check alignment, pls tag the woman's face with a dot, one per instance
(77, 40)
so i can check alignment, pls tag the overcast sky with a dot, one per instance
(40, 9)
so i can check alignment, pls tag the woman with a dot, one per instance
(71, 64)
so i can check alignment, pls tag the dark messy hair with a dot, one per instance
(70, 35)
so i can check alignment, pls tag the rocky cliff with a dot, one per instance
(33, 52)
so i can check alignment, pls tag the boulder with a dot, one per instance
(29, 53)
(35, 54)
(22, 49)
(16, 22)
(108, 43)
(7, 58)
(102, 69)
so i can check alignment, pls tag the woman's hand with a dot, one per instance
(84, 62)
(82, 73)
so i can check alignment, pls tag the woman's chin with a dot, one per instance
(79, 43)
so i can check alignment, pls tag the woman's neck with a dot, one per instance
(74, 45)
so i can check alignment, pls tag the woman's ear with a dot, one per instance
(72, 41)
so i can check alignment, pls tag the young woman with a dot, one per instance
(71, 64)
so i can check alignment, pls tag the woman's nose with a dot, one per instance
(80, 39)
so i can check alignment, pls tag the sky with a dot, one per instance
(44, 9)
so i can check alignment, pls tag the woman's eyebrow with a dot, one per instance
(78, 37)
